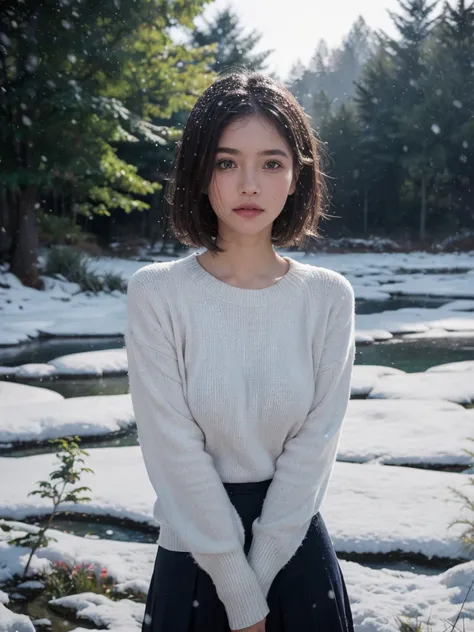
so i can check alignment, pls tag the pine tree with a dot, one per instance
(416, 137)
(233, 45)
(72, 82)
(342, 134)
(380, 156)
(453, 69)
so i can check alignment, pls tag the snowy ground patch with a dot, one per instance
(391, 508)
(453, 367)
(104, 363)
(406, 432)
(11, 394)
(377, 597)
(11, 622)
(61, 311)
(364, 377)
(452, 386)
(82, 416)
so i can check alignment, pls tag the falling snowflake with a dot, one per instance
(5, 39)
(457, 103)
(435, 128)
(26, 121)
(72, 58)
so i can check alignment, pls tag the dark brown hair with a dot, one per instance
(235, 95)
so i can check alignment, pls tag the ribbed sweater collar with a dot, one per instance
(283, 289)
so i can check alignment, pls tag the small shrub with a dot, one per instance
(68, 473)
(467, 537)
(65, 580)
(54, 230)
(114, 282)
(73, 265)
(405, 624)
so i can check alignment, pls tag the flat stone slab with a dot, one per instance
(11, 394)
(82, 416)
(407, 432)
(453, 386)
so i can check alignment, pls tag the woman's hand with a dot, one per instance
(256, 627)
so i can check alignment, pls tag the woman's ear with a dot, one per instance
(296, 174)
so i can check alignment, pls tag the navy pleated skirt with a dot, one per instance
(308, 594)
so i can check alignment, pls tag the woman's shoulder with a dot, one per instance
(327, 281)
(153, 278)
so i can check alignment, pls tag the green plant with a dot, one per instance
(65, 580)
(55, 230)
(68, 473)
(74, 266)
(405, 624)
(113, 281)
(467, 537)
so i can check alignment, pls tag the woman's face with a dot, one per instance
(253, 165)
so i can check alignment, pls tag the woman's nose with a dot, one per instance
(249, 184)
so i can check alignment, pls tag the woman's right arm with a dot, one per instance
(191, 494)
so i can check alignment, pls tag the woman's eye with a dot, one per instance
(274, 163)
(225, 164)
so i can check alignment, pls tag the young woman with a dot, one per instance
(240, 364)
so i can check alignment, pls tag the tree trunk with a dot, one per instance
(423, 209)
(366, 211)
(25, 252)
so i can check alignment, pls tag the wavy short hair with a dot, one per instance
(237, 95)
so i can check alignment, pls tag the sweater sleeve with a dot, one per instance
(192, 499)
(304, 468)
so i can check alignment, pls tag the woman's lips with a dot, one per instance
(247, 212)
(249, 209)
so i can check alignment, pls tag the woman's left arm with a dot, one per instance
(304, 468)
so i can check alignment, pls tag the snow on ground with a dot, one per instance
(107, 362)
(81, 416)
(62, 311)
(378, 597)
(455, 367)
(452, 386)
(364, 376)
(126, 615)
(11, 622)
(390, 508)
(11, 394)
(406, 432)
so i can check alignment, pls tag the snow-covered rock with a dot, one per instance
(455, 387)
(11, 394)
(11, 622)
(81, 416)
(453, 367)
(108, 362)
(364, 377)
(120, 615)
(406, 432)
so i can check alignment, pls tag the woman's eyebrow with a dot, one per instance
(265, 152)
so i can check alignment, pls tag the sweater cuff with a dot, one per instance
(265, 558)
(237, 587)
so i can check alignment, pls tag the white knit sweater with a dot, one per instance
(238, 385)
